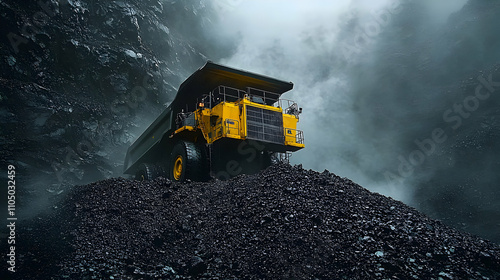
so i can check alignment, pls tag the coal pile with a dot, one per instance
(284, 223)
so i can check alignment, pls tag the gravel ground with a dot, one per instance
(284, 223)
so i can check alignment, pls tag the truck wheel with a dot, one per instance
(149, 171)
(145, 172)
(187, 162)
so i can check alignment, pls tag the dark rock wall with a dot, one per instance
(81, 79)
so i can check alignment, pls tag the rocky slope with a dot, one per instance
(80, 79)
(284, 223)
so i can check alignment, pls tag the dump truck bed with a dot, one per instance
(148, 142)
(212, 75)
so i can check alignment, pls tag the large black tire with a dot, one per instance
(146, 172)
(188, 161)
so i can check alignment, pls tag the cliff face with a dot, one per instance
(80, 79)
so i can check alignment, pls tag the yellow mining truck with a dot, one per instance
(223, 122)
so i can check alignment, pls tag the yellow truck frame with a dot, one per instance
(222, 122)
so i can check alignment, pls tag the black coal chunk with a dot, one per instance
(283, 223)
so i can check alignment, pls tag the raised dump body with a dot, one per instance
(223, 121)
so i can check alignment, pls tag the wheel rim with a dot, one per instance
(140, 176)
(178, 168)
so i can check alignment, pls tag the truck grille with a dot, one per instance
(265, 125)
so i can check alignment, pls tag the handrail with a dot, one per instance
(265, 95)
(294, 135)
(288, 106)
(224, 92)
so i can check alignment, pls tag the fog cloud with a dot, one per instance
(377, 81)
(315, 44)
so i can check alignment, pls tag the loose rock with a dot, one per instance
(249, 227)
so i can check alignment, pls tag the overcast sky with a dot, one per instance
(304, 42)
